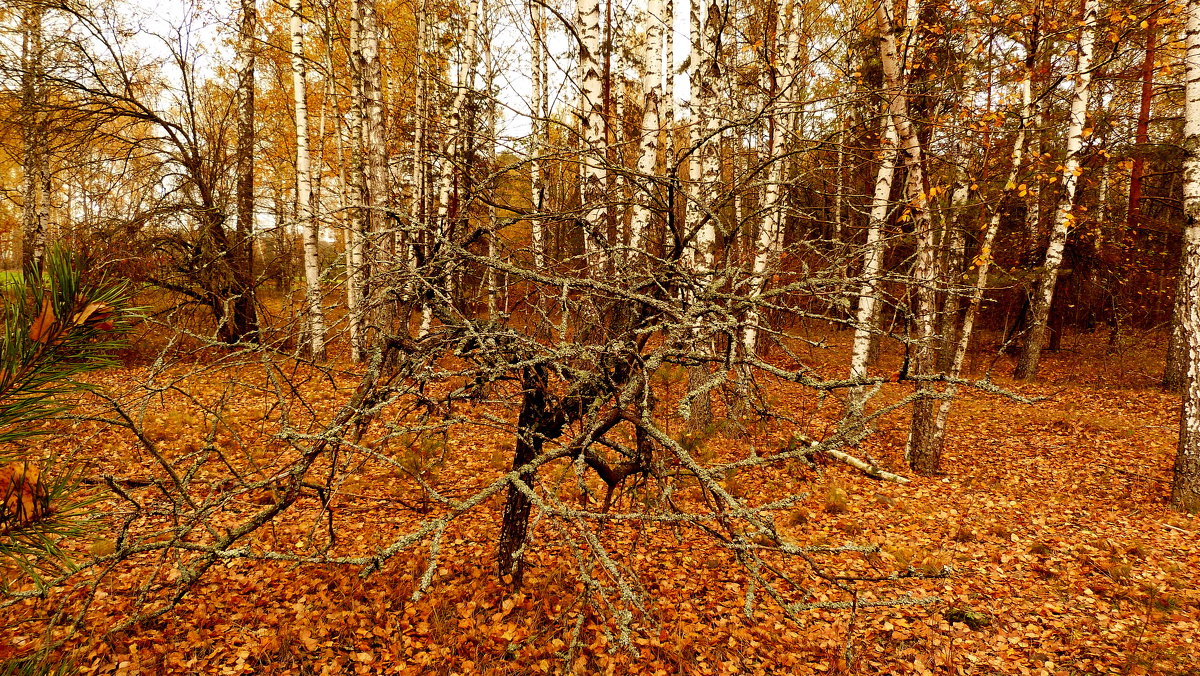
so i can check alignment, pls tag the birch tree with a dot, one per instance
(921, 454)
(243, 315)
(591, 124)
(35, 195)
(354, 191)
(538, 127)
(455, 138)
(869, 293)
(1185, 487)
(651, 21)
(315, 313)
(377, 244)
(704, 74)
(1064, 217)
(783, 83)
(984, 260)
(419, 156)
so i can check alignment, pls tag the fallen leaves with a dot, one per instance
(1069, 566)
(24, 499)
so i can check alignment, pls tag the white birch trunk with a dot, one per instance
(537, 128)
(315, 315)
(377, 244)
(453, 138)
(591, 122)
(770, 232)
(355, 186)
(455, 114)
(703, 168)
(1185, 485)
(417, 209)
(869, 294)
(839, 180)
(651, 23)
(1064, 217)
(34, 193)
(924, 273)
(490, 142)
(983, 260)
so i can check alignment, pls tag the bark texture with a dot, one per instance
(242, 321)
(35, 197)
(315, 318)
(923, 456)
(1185, 487)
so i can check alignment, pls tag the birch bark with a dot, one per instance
(921, 456)
(983, 260)
(651, 22)
(1064, 217)
(356, 189)
(770, 232)
(869, 293)
(376, 240)
(418, 166)
(304, 199)
(537, 127)
(1185, 485)
(591, 122)
(489, 69)
(453, 141)
(35, 196)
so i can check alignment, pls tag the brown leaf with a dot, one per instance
(95, 312)
(41, 328)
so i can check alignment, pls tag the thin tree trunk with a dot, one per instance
(1064, 216)
(921, 455)
(34, 193)
(537, 127)
(242, 323)
(839, 181)
(956, 223)
(490, 143)
(356, 272)
(315, 315)
(591, 122)
(1185, 486)
(455, 126)
(770, 231)
(651, 21)
(418, 209)
(534, 426)
(454, 143)
(693, 109)
(1176, 369)
(983, 261)
(1142, 133)
(865, 326)
(376, 242)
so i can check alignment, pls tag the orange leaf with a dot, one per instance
(40, 329)
(100, 310)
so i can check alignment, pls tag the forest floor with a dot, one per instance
(1051, 517)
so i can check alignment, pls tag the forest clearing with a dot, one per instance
(1048, 541)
